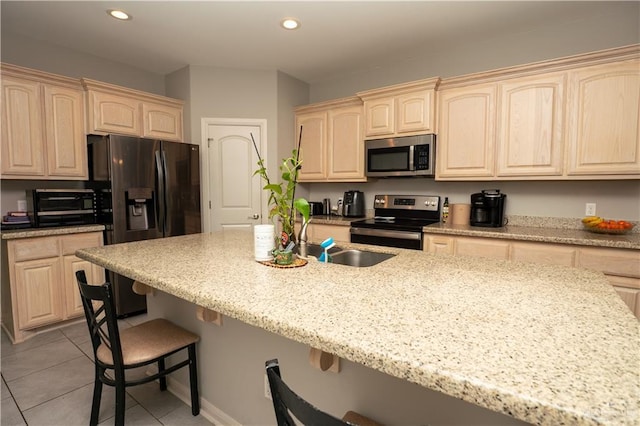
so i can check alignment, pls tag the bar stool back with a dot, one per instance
(116, 352)
(287, 402)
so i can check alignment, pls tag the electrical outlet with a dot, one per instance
(267, 389)
(590, 209)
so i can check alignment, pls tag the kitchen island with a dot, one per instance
(543, 344)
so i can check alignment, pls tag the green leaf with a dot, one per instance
(302, 205)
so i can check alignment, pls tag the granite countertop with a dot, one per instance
(545, 344)
(524, 228)
(546, 235)
(45, 232)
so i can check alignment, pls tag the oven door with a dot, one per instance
(387, 237)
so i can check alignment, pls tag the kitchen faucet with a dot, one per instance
(302, 238)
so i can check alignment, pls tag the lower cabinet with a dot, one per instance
(318, 232)
(41, 287)
(620, 266)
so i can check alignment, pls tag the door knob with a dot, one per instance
(255, 216)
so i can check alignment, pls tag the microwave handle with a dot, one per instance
(412, 166)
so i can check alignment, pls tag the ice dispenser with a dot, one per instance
(140, 211)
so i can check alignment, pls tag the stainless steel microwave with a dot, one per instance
(403, 156)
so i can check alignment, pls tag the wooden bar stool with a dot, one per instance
(287, 402)
(116, 352)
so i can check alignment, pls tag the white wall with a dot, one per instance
(55, 59)
(616, 24)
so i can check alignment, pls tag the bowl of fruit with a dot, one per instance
(600, 225)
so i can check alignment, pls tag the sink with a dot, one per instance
(316, 250)
(359, 258)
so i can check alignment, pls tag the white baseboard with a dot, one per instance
(207, 409)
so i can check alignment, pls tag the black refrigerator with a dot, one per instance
(145, 189)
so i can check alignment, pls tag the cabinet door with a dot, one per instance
(95, 275)
(64, 131)
(162, 121)
(112, 113)
(604, 113)
(313, 146)
(345, 144)
(482, 247)
(629, 291)
(415, 112)
(379, 116)
(530, 135)
(466, 139)
(22, 139)
(38, 293)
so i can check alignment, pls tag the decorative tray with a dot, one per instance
(297, 263)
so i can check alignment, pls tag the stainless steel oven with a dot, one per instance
(398, 221)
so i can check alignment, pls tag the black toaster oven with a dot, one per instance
(61, 207)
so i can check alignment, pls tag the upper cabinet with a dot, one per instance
(400, 110)
(604, 111)
(115, 109)
(43, 135)
(571, 118)
(332, 143)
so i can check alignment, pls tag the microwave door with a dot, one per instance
(389, 161)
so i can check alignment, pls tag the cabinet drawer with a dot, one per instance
(71, 243)
(621, 262)
(34, 248)
(479, 247)
(547, 254)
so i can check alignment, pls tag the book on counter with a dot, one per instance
(16, 217)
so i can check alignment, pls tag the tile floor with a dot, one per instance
(48, 380)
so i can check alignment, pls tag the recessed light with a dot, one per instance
(290, 24)
(119, 14)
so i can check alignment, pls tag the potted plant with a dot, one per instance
(282, 202)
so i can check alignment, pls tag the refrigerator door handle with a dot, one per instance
(167, 200)
(160, 192)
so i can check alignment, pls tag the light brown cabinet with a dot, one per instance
(530, 135)
(332, 147)
(42, 126)
(620, 266)
(115, 109)
(39, 284)
(400, 110)
(604, 119)
(466, 132)
(571, 118)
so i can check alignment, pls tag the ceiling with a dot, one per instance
(336, 37)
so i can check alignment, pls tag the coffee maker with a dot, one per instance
(487, 208)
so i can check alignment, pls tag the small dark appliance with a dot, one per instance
(487, 208)
(353, 204)
(316, 208)
(61, 207)
(398, 221)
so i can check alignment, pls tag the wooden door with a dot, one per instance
(466, 139)
(415, 112)
(38, 292)
(64, 132)
(23, 147)
(345, 144)
(114, 114)
(313, 146)
(531, 127)
(604, 117)
(380, 116)
(162, 121)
